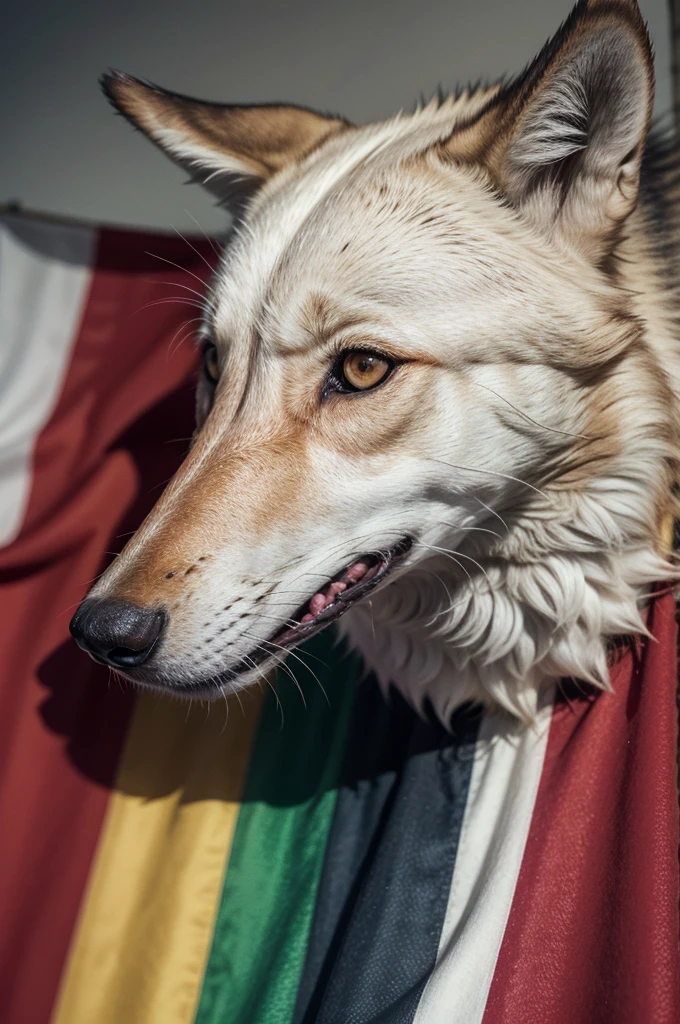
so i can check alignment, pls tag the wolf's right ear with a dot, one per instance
(230, 150)
(564, 142)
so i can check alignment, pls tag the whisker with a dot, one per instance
(181, 328)
(488, 472)
(288, 652)
(225, 698)
(184, 270)
(350, 556)
(469, 529)
(212, 242)
(175, 299)
(493, 513)
(193, 249)
(448, 554)
(262, 675)
(236, 694)
(205, 298)
(460, 554)
(277, 619)
(452, 605)
(268, 681)
(524, 415)
(187, 323)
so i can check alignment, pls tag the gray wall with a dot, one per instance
(63, 151)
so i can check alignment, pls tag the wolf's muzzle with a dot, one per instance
(117, 633)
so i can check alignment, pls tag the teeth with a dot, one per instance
(324, 598)
(317, 603)
(355, 572)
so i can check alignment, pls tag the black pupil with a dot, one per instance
(210, 362)
(365, 364)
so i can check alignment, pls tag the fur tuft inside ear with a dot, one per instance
(575, 124)
(230, 150)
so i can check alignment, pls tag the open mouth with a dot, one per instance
(354, 582)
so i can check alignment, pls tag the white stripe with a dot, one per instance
(498, 812)
(44, 278)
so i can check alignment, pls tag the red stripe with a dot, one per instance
(592, 936)
(98, 467)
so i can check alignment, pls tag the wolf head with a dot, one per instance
(430, 397)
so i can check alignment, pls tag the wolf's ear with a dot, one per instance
(572, 129)
(231, 150)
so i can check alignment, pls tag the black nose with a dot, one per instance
(117, 633)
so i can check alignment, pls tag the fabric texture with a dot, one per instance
(315, 853)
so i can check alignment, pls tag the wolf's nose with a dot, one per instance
(117, 633)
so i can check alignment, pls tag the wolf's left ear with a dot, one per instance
(230, 150)
(573, 128)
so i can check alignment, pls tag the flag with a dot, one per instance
(312, 853)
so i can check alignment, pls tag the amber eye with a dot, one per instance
(211, 367)
(362, 370)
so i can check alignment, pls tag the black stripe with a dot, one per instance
(387, 872)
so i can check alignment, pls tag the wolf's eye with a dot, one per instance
(361, 370)
(211, 367)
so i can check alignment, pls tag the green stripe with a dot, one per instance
(265, 912)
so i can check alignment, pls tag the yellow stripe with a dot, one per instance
(144, 934)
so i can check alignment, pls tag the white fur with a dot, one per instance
(535, 538)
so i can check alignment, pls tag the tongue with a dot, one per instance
(321, 600)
